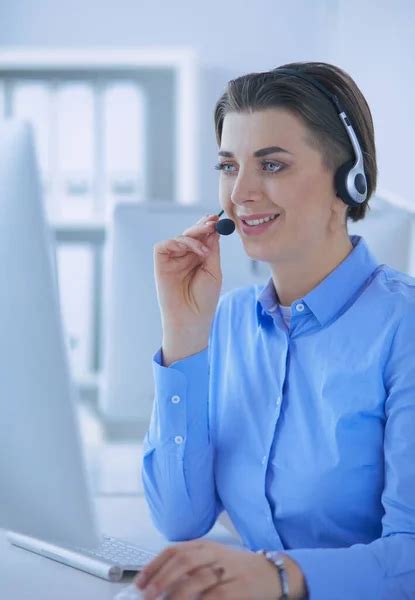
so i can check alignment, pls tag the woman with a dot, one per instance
(290, 405)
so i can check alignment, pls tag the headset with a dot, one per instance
(350, 178)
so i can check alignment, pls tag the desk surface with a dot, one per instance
(28, 576)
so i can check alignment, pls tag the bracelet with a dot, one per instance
(277, 560)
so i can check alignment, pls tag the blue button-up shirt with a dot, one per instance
(305, 435)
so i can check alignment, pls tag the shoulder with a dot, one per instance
(397, 281)
(398, 288)
(398, 301)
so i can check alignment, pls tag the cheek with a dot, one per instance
(310, 195)
(306, 208)
(307, 214)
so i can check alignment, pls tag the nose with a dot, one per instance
(246, 188)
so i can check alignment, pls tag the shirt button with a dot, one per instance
(300, 307)
(278, 401)
(175, 399)
(178, 439)
(264, 460)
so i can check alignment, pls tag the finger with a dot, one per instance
(179, 566)
(206, 217)
(152, 567)
(176, 247)
(180, 560)
(181, 244)
(199, 580)
(193, 244)
(200, 223)
(230, 588)
(203, 228)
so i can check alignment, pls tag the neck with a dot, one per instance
(294, 278)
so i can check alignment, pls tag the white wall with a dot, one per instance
(372, 39)
(231, 38)
(375, 42)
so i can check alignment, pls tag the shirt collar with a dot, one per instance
(330, 295)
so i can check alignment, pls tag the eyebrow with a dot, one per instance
(260, 152)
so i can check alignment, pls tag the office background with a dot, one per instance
(372, 40)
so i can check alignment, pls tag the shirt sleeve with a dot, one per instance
(385, 568)
(177, 469)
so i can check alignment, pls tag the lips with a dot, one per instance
(255, 230)
(254, 217)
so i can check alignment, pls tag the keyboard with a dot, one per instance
(108, 560)
(112, 550)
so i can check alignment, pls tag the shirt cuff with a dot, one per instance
(181, 399)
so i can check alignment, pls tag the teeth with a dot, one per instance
(259, 221)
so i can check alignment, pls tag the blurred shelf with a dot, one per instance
(88, 385)
(112, 430)
(91, 231)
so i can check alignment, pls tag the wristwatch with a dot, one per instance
(277, 559)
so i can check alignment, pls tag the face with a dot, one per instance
(269, 168)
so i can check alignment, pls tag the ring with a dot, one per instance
(219, 572)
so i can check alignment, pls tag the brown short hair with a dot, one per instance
(270, 89)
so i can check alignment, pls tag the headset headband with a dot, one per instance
(355, 176)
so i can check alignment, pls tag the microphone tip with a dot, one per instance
(225, 226)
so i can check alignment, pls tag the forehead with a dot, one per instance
(248, 131)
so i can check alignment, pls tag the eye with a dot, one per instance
(271, 166)
(274, 166)
(223, 167)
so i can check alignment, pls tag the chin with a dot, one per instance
(256, 252)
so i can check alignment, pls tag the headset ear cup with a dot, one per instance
(340, 179)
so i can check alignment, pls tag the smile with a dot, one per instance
(254, 222)
(258, 226)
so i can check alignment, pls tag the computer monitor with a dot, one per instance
(132, 326)
(45, 500)
(44, 487)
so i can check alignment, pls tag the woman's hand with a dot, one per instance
(189, 278)
(202, 569)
